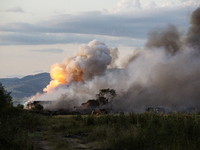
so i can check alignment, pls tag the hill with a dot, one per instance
(26, 86)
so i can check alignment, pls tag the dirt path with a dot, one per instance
(41, 144)
(42, 141)
(74, 141)
(76, 144)
(44, 144)
(39, 140)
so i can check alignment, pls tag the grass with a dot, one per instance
(133, 131)
(14, 128)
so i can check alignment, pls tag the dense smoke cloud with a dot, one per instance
(114, 52)
(193, 35)
(131, 57)
(91, 60)
(165, 73)
(155, 79)
(168, 38)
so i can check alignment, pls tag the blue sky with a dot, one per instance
(36, 34)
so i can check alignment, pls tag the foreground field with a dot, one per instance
(176, 131)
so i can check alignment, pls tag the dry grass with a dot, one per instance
(133, 131)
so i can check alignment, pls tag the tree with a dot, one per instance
(5, 98)
(105, 96)
(20, 106)
(38, 107)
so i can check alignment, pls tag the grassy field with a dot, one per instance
(176, 131)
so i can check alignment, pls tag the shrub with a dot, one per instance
(105, 96)
(38, 107)
(20, 106)
(5, 98)
(89, 120)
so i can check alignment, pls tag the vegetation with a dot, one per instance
(133, 131)
(20, 106)
(105, 96)
(5, 98)
(13, 124)
(24, 130)
(38, 107)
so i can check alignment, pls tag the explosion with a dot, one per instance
(165, 73)
(91, 60)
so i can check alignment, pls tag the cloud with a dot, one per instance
(127, 5)
(65, 38)
(169, 4)
(15, 9)
(184, 0)
(39, 71)
(17, 38)
(51, 50)
(132, 24)
(190, 2)
(14, 76)
(149, 5)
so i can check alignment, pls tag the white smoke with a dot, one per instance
(89, 61)
(166, 73)
(152, 79)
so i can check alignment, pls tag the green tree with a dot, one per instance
(5, 98)
(105, 96)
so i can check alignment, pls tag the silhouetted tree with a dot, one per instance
(38, 107)
(5, 98)
(105, 96)
(20, 106)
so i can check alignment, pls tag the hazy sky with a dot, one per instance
(34, 34)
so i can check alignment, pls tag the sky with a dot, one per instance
(35, 34)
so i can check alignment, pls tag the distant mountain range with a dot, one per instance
(29, 85)
(26, 86)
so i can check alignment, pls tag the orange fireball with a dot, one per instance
(61, 75)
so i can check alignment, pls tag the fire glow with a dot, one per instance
(59, 76)
(164, 73)
(74, 68)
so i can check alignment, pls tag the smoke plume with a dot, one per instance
(165, 73)
(114, 52)
(136, 53)
(168, 38)
(193, 35)
(91, 60)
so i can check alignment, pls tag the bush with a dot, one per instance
(146, 131)
(38, 107)
(105, 96)
(5, 98)
(20, 106)
(14, 128)
(89, 120)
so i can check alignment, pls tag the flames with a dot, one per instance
(61, 74)
(91, 59)
(164, 73)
